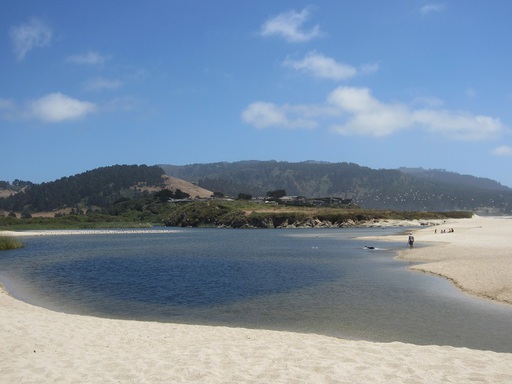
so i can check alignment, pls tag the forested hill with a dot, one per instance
(404, 189)
(455, 178)
(100, 188)
(369, 188)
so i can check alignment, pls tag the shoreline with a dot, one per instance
(64, 232)
(39, 345)
(476, 257)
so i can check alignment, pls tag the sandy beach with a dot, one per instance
(475, 254)
(41, 346)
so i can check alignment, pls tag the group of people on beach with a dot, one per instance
(449, 230)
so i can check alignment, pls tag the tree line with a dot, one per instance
(100, 188)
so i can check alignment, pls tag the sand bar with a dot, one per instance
(476, 254)
(74, 232)
(39, 345)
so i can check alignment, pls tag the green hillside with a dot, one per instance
(369, 188)
(97, 188)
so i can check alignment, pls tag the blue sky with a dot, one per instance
(383, 84)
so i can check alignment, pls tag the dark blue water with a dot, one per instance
(319, 281)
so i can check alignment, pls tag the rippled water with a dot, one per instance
(320, 281)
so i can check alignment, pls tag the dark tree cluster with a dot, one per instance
(165, 195)
(100, 187)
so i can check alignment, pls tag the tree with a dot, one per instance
(164, 195)
(179, 194)
(244, 196)
(26, 214)
(276, 194)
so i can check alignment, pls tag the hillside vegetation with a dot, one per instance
(97, 188)
(387, 189)
(133, 195)
(243, 214)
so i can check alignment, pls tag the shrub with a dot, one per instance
(9, 242)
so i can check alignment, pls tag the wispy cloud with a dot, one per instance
(504, 150)
(101, 83)
(289, 25)
(322, 66)
(430, 8)
(6, 104)
(7, 109)
(32, 34)
(88, 58)
(355, 111)
(264, 115)
(56, 107)
(470, 93)
(369, 68)
(125, 104)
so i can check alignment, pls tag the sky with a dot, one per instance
(383, 84)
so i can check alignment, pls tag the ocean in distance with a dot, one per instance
(307, 280)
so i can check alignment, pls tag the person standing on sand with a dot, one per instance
(411, 240)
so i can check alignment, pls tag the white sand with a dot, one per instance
(477, 256)
(41, 346)
(66, 232)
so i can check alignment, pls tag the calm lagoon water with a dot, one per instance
(319, 281)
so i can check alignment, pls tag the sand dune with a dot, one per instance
(41, 346)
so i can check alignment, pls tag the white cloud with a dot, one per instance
(504, 150)
(355, 111)
(89, 58)
(32, 34)
(100, 84)
(56, 107)
(368, 115)
(458, 125)
(288, 25)
(429, 8)
(322, 66)
(265, 115)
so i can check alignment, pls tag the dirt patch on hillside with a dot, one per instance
(173, 183)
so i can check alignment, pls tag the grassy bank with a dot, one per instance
(70, 222)
(9, 242)
(234, 214)
(238, 214)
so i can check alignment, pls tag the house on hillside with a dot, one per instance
(315, 202)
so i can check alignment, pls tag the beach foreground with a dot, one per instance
(39, 345)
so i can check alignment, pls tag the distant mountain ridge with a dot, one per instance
(398, 189)
(445, 176)
(408, 189)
